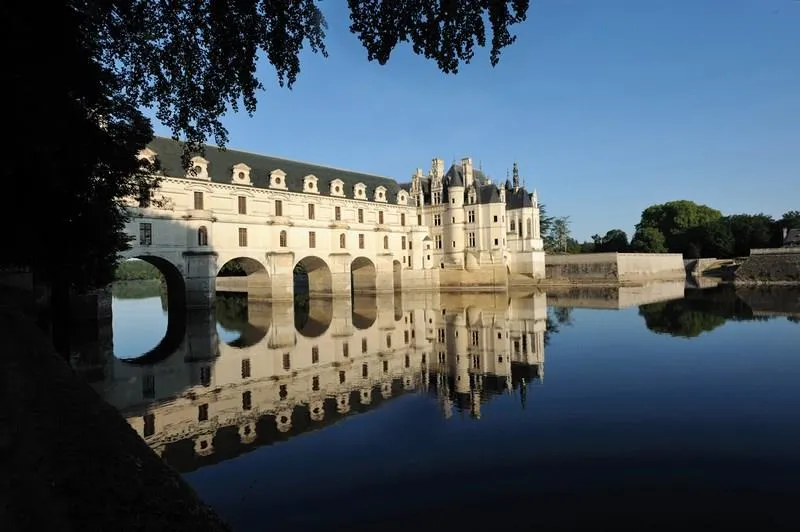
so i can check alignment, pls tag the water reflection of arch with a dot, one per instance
(365, 311)
(312, 315)
(176, 312)
(251, 318)
(315, 274)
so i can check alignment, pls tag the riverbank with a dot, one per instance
(70, 462)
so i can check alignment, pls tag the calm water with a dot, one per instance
(547, 411)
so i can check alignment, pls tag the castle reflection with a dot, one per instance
(292, 368)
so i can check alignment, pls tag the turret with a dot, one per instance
(515, 177)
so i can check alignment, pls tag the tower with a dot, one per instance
(515, 177)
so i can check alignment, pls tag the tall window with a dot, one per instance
(472, 240)
(419, 219)
(402, 218)
(337, 213)
(278, 207)
(242, 204)
(283, 239)
(145, 234)
(438, 239)
(242, 237)
(310, 211)
(386, 242)
(202, 236)
(149, 424)
(437, 219)
(247, 400)
(287, 361)
(315, 355)
(380, 217)
(471, 217)
(360, 241)
(361, 216)
(198, 201)
(202, 412)
(144, 196)
(246, 368)
(363, 345)
(342, 241)
(402, 242)
(513, 226)
(528, 228)
(312, 239)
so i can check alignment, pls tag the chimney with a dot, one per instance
(466, 167)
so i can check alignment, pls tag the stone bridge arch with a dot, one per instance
(243, 273)
(363, 276)
(312, 275)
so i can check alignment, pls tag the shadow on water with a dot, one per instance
(234, 313)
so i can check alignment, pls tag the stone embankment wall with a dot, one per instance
(770, 266)
(71, 462)
(615, 267)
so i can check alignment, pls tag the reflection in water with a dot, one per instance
(704, 310)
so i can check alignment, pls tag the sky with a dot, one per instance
(608, 106)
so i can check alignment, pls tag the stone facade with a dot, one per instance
(615, 268)
(347, 230)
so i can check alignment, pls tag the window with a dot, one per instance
(202, 236)
(363, 345)
(408, 361)
(437, 198)
(405, 336)
(440, 335)
(145, 234)
(386, 366)
(242, 237)
(337, 213)
(388, 340)
(246, 368)
(402, 218)
(149, 387)
(475, 338)
(419, 219)
(364, 370)
(471, 240)
(287, 362)
(496, 242)
(438, 239)
(198, 201)
(283, 239)
(283, 391)
(144, 196)
(495, 218)
(342, 241)
(402, 242)
(278, 207)
(471, 217)
(528, 227)
(386, 242)
(315, 355)
(310, 211)
(476, 361)
(149, 424)
(315, 383)
(242, 204)
(205, 376)
(360, 241)
(513, 226)
(380, 217)
(202, 412)
(361, 216)
(247, 401)
(437, 219)
(312, 239)
(342, 377)
(345, 350)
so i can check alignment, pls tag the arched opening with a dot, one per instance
(365, 310)
(241, 321)
(363, 276)
(244, 274)
(202, 236)
(313, 276)
(148, 309)
(397, 270)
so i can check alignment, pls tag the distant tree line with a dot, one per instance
(136, 270)
(681, 226)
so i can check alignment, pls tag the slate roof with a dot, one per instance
(221, 163)
(792, 238)
(517, 200)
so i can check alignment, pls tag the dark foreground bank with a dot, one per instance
(69, 461)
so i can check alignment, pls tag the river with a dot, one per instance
(470, 410)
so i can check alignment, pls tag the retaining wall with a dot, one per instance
(770, 266)
(615, 267)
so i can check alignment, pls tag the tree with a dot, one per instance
(674, 219)
(561, 233)
(615, 240)
(751, 231)
(714, 239)
(648, 240)
(76, 109)
(546, 227)
(790, 220)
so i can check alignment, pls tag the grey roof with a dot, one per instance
(454, 177)
(792, 238)
(518, 199)
(221, 163)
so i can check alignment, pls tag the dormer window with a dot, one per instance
(360, 191)
(380, 194)
(199, 168)
(310, 184)
(241, 175)
(277, 179)
(337, 188)
(402, 197)
(148, 155)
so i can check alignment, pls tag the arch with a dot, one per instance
(283, 239)
(312, 316)
(175, 303)
(312, 275)
(342, 240)
(363, 276)
(244, 274)
(386, 242)
(244, 322)
(365, 311)
(397, 271)
(202, 236)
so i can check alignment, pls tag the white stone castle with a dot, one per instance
(347, 230)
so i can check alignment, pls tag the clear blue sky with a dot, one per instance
(607, 105)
